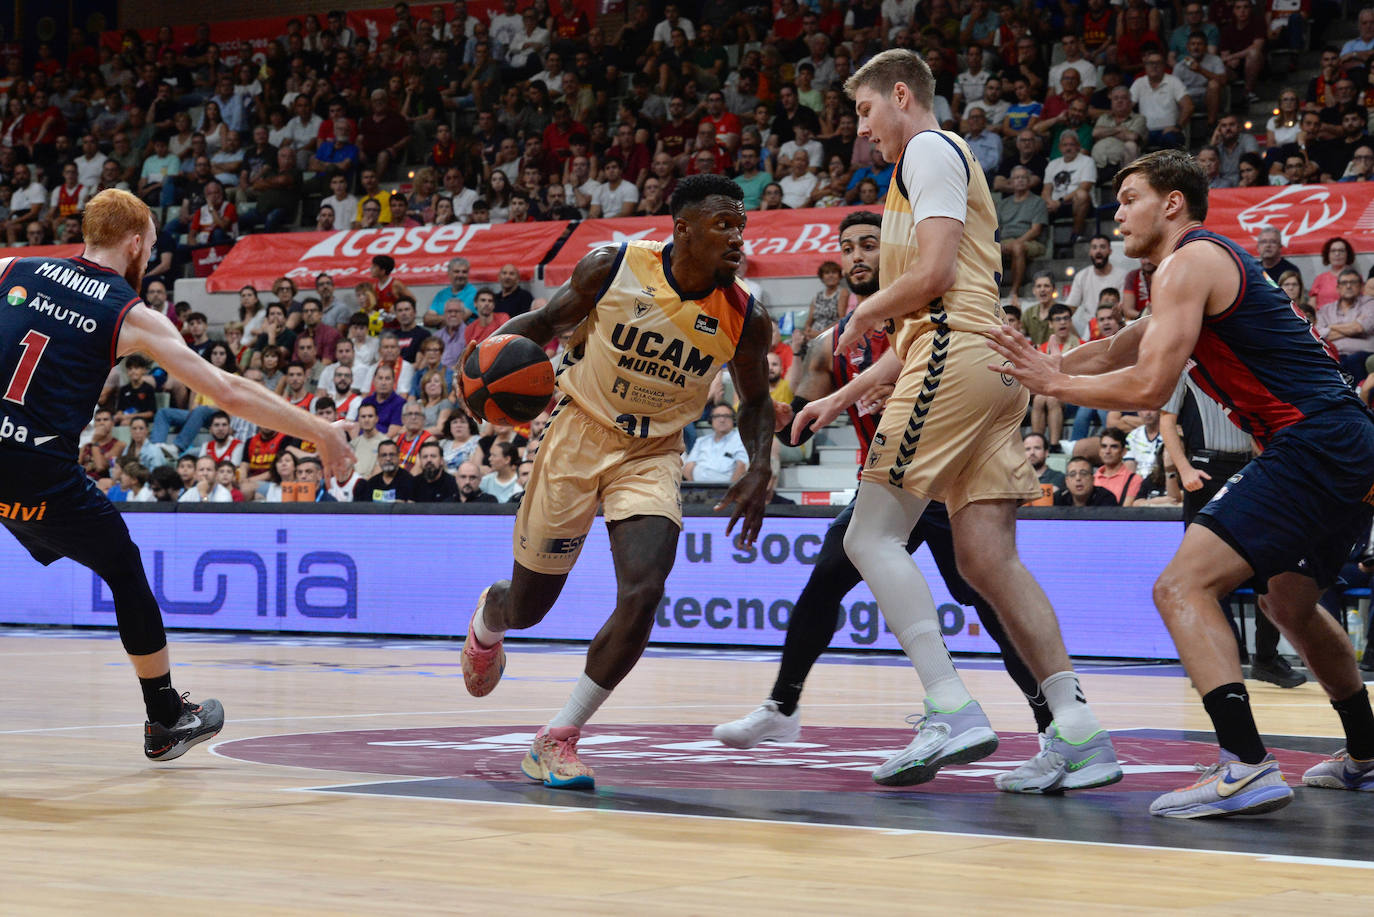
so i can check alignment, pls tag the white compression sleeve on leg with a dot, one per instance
(876, 544)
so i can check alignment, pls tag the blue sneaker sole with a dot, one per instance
(1264, 799)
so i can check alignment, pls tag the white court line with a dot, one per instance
(344, 789)
(348, 716)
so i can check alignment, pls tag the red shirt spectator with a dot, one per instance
(478, 332)
(570, 23)
(726, 123)
(261, 451)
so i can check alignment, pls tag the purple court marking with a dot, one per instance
(830, 758)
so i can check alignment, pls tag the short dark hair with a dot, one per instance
(1114, 433)
(860, 218)
(1040, 436)
(137, 360)
(1106, 291)
(385, 262)
(217, 415)
(322, 402)
(1059, 309)
(198, 317)
(1011, 310)
(1171, 170)
(694, 189)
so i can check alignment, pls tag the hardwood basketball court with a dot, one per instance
(357, 776)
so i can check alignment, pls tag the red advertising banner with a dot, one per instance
(371, 24)
(1306, 215)
(422, 253)
(778, 243)
(42, 251)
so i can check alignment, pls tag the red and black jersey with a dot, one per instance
(847, 365)
(1260, 359)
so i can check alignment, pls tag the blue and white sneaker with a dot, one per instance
(1061, 765)
(1229, 787)
(957, 737)
(1342, 772)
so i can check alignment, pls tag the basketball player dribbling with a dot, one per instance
(66, 323)
(1285, 523)
(950, 432)
(818, 375)
(654, 323)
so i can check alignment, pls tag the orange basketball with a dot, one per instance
(508, 379)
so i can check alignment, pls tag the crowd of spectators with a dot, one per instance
(387, 373)
(538, 113)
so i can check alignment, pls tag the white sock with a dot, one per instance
(587, 697)
(1073, 717)
(876, 543)
(484, 634)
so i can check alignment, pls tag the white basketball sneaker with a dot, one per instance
(764, 724)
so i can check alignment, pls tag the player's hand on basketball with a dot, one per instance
(749, 495)
(1025, 364)
(1192, 478)
(816, 415)
(782, 416)
(335, 452)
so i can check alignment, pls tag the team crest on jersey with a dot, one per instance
(16, 296)
(642, 308)
(707, 324)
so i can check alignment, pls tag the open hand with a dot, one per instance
(1035, 370)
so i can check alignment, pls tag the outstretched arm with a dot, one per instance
(749, 370)
(821, 412)
(152, 333)
(1184, 283)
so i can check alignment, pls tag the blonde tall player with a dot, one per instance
(654, 324)
(950, 433)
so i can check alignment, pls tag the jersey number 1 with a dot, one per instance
(34, 343)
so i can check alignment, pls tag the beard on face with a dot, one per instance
(864, 287)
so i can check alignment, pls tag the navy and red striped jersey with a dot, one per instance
(1260, 358)
(846, 366)
(59, 327)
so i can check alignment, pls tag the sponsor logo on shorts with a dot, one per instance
(16, 296)
(1235, 478)
(1008, 381)
(707, 324)
(22, 513)
(560, 547)
(879, 439)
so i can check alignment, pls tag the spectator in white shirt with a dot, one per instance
(799, 182)
(1069, 182)
(615, 197)
(206, 489)
(1074, 59)
(804, 141)
(1163, 100)
(663, 32)
(719, 458)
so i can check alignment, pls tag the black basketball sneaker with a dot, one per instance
(197, 723)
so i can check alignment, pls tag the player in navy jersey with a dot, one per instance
(1285, 523)
(816, 376)
(64, 323)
